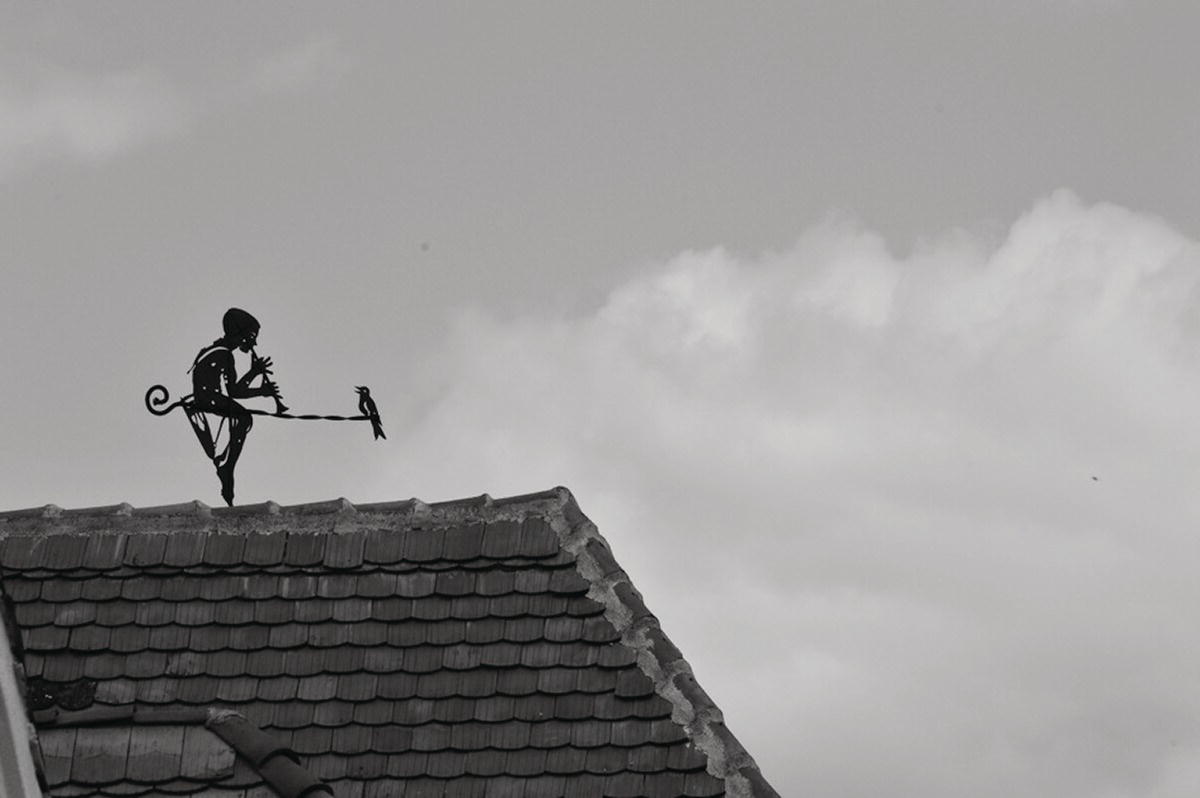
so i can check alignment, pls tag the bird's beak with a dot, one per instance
(360, 388)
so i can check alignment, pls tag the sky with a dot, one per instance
(866, 333)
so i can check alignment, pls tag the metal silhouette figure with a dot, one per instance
(366, 406)
(216, 388)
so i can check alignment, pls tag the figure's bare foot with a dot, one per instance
(225, 474)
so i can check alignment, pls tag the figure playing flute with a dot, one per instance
(216, 389)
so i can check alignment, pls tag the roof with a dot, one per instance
(468, 648)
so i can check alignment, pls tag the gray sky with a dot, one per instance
(866, 333)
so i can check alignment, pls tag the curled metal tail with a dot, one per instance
(157, 396)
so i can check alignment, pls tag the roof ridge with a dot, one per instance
(657, 657)
(270, 508)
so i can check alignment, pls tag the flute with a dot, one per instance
(280, 407)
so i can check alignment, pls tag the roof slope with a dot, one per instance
(482, 647)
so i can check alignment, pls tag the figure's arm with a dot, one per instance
(240, 389)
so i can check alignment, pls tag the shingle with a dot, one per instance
(345, 550)
(115, 613)
(699, 784)
(545, 787)
(46, 638)
(273, 611)
(320, 687)
(510, 736)
(346, 659)
(421, 659)
(550, 734)
(537, 538)
(392, 609)
(397, 685)
(68, 668)
(142, 665)
(313, 610)
(408, 765)
(455, 583)
(599, 630)
(293, 715)
(485, 630)
(615, 656)
(463, 543)
(61, 590)
(326, 635)
(532, 581)
(665, 731)
(196, 613)
(63, 552)
(511, 606)
(264, 549)
(665, 785)
(377, 585)
(156, 691)
(494, 708)
(391, 739)
(446, 764)
(116, 691)
(100, 755)
(180, 588)
(368, 766)
(326, 768)
(304, 549)
(22, 590)
(128, 639)
(422, 545)
(335, 713)
(168, 638)
(372, 713)
(104, 552)
(337, 586)
(534, 708)
(224, 549)
(524, 630)
(624, 785)
(260, 586)
(632, 683)
(470, 608)
(540, 654)
(266, 663)
(605, 759)
(58, 747)
(313, 740)
(356, 687)
(556, 681)
(307, 662)
(594, 680)
(352, 739)
(205, 755)
(647, 758)
(184, 549)
(367, 633)
(568, 581)
(431, 737)
(566, 761)
(413, 711)
(495, 582)
(197, 690)
(526, 762)
(288, 635)
(383, 546)
(573, 706)
(416, 584)
(90, 638)
(222, 587)
(227, 663)
(479, 683)
(500, 655)
(352, 610)
(22, 552)
(237, 689)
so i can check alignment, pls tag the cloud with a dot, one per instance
(299, 66)
(55, 114)
(924, 525)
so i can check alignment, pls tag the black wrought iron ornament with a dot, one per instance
(216, 388)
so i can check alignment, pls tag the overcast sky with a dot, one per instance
(867, 333)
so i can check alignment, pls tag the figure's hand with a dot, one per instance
(270, 389)
(260, 365)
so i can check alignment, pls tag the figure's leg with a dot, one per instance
(239, 426)
(240, 421)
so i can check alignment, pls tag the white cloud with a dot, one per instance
(299, 66)
(858, 489)
(84, 118)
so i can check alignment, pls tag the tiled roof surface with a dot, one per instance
(464, 649)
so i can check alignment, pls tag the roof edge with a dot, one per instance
(657, 656)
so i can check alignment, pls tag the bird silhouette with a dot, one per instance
(366, 406)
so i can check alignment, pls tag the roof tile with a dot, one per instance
(265, 549)
(304, 549)
(224, 549)
(345, 550)
(100, 755)
(383, 546)
(183, 549)
(463, 543)
(104, 552)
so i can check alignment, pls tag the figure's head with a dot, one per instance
(241, 329)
